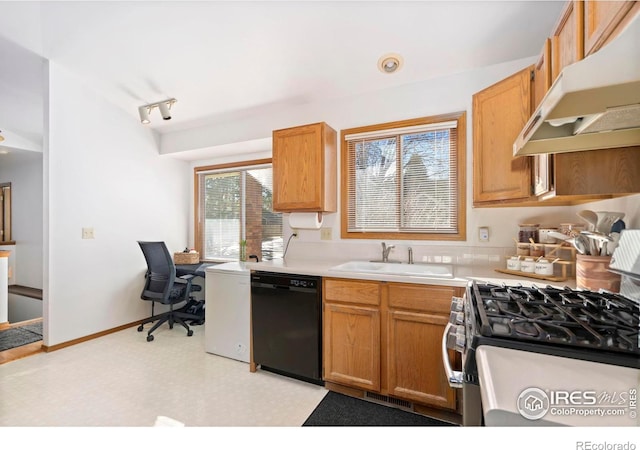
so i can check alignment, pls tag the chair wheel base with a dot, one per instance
(150, 338)
(190, 333)
(140, 328)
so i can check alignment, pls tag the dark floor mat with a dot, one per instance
(341, 410)
(17, 337)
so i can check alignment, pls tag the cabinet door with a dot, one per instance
(499, 113)
(568, 41)
(304, 168)
(351, 346)
(415, 370)
(600, 21)
(598, 172)
(542, 74)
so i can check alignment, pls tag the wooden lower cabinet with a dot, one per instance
(415, 361)
(352, 346)
(386, 338)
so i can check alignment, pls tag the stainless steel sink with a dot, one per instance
(423, 270)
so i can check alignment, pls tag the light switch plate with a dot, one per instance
(483, 234)
(87, 233)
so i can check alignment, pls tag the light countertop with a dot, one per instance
(462, 274)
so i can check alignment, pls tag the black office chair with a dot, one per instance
(162, 286)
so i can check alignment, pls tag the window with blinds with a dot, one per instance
(405, 179)
(235, 206)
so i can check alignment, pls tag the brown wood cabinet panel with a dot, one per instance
(351, 291)
(304, 168)
(499, 113)
(568, 38)
(351, 346)
(598, 172)
(436, 299)
(415, 361)
(542, 74)
(600, 21)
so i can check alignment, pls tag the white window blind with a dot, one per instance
(403, 179)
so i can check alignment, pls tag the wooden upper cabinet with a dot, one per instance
(304, 168)
(499, 113)
(600, 21)
(568, 38)
(542, 74)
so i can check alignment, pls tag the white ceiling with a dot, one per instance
(223, 60)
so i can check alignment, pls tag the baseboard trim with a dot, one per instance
(53, 348)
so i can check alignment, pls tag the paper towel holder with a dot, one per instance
(305, 220)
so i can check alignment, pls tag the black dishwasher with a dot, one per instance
(286, 321)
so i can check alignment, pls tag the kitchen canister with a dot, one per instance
(543, 234)
(513, 263)
(528, 231)
(544, 267)
(522, 249)
(528, 265)
(592, 273)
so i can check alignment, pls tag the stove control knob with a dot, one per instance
(456, 339)
(457, 304)
(461, 339)
(456, 318)
(451, 340)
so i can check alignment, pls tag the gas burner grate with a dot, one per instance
(599, 321)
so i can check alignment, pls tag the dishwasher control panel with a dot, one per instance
(285, 280)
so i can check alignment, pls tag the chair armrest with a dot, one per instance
(184, 279)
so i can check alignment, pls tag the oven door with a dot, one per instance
(471, 400)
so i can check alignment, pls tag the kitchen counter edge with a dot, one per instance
(462, 274)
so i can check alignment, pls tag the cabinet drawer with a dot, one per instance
(435, 299)
(352, 291)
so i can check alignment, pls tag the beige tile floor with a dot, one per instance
(122, 380)
(109, 392)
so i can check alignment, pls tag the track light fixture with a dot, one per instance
(164, 107)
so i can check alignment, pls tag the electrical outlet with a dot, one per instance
(483, 234)
(294, 232)
(87, 233)
(325, 234)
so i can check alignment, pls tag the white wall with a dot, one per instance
(432, 97)
(102, 170)
(25, 174)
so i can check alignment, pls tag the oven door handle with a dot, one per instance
(454, 377)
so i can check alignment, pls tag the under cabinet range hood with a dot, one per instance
(594, 104)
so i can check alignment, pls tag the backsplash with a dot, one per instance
(341, 251)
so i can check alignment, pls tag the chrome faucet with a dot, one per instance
(385, 252)
(410, 255)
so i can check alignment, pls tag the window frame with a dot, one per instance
(461, 194)
(198, 224)
(6, 236)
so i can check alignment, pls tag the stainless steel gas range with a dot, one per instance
(542, 355)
